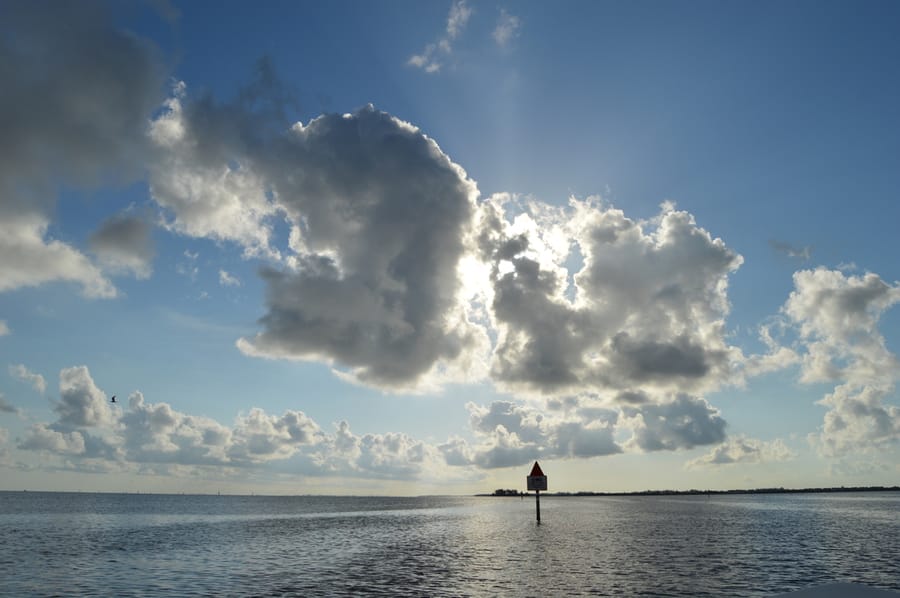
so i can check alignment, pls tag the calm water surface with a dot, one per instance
(164, 545)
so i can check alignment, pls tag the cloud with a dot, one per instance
(4, 328)
(261, 437)
(201, 176)
(393, 455)
(92, 436)
(42, 438)
(857, 421)
(802, 253)
(22, 373)
(228, 280)
(157, 433)
(380, 216)
(4, 447)
(387, 278)
(646, 309)
(6, 407)
(507, 28)
(836, 316)
(510, 434)
(77, 93)
(81, 403)
(743, 450)
(432, 58)
(123, 244)
(682, 423)
(29, 258)
(188, 266)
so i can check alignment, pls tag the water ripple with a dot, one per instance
(100, 545)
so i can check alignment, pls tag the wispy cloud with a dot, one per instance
(7, 407)
(432, 57)
(188, 267)
(22, 373)
(507, 28)
(741, 449)
(4, 328)
(228, 280)
(801, 253)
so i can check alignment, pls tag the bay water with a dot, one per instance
(88, 544)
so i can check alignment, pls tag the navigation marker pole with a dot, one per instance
(537, 481)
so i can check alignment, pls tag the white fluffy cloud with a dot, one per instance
(22, 373)
(93, 435)
(646, 309)
(42, 438)
(837, 318)
(29, 258)
(81, 403)
(201, 178)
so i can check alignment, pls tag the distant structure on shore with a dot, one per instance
(507, 492)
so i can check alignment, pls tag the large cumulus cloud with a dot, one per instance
(379, 217)
(645, 310)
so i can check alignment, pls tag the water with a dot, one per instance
(165, 545)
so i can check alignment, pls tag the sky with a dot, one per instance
(411, 247)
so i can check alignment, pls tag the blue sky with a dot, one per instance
(411, 247)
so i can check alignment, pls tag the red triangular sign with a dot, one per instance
(536, 470)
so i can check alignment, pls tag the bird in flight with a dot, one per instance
(113, 399)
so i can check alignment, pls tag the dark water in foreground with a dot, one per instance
(127, 545)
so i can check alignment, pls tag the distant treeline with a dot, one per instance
(505, 492)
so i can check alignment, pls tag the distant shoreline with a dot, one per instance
(693, 492)
(505, 493)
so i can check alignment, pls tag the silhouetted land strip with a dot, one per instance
(692, 492)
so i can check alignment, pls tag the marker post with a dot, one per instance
(537, 481)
